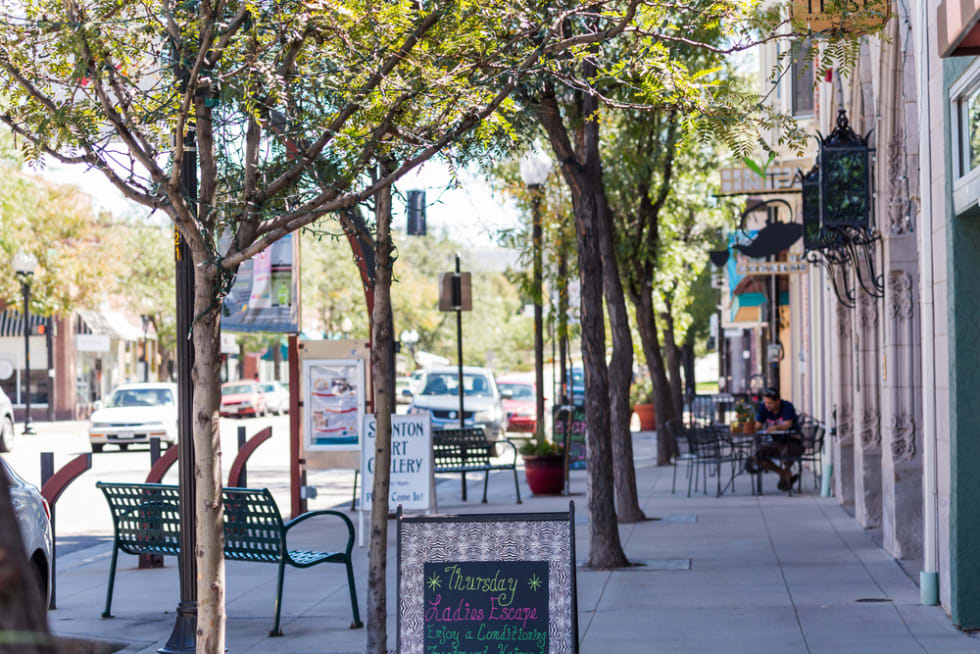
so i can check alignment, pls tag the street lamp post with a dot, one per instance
(410, 337)
(24, 265)
(346, 326)
(535, 167)
(146, 359)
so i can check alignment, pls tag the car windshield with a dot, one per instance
(446, 383)
(141, 397)
(517, 391)
(235, 389)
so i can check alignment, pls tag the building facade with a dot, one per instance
(887, 342)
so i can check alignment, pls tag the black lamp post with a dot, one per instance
(534, 170)
(24, 265)
(146, 359)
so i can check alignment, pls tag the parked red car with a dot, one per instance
(242, 398)
(519, 407)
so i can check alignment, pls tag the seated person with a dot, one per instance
(776, 414)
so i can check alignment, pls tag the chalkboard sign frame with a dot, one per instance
(414, 553)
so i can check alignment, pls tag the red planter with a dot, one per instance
(648, 419)
(545, 473)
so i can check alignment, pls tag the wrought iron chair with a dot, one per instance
(686, 453)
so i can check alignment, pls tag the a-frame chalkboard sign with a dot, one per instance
(501, 583)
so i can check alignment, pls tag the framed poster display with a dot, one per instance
(487, 583)
(333, 404)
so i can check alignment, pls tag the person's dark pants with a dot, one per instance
(790, 449)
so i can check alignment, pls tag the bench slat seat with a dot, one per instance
(468, 450)
(146, 520)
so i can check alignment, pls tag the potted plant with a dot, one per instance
(641, 399)
(544, 467)
(744, 419)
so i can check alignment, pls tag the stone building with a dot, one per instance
(894, 366)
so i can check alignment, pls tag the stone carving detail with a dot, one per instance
(903, 437)
(900, 283)
(898, 202)
(868, 312)
(844, 423)
(843, 322)
(871, 429)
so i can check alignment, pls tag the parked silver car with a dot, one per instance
(34, 518)
(438, 394)
(6, 423)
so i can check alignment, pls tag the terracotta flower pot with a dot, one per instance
(647, 416)
(545, 473)
(748, 427)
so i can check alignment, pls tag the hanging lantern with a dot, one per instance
(845, 166)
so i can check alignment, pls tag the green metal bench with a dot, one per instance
(468, 450)
(146, 520)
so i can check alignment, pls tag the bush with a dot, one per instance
(533, 448)
(641, 393)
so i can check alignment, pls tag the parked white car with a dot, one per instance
(276, 397)
(34, 518)
(135, 413)
(6, 423)
(482, 406)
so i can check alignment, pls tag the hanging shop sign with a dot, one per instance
(779, 177)
(265, 294)
(487, 583)
(795, 264)
(851, 17)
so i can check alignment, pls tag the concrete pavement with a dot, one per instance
(730, 574)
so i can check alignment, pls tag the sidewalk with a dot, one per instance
(730, 574)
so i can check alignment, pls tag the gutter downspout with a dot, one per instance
(929, 575)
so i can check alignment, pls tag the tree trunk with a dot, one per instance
(605, 547)
(23, 623)
(209, 510)
(163, 374)
(647, 324)
(687, 363)
(673, 364)
(381, 360)
(620, 370)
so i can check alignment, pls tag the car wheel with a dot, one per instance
(6, 435)
(41, 585)
(97, 447)
(123, 447)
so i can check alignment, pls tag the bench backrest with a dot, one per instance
(146, 517)
(460, 447)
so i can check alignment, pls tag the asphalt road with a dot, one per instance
(82, 515)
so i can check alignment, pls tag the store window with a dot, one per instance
(967, 120)
(801, 76)
(13, 386)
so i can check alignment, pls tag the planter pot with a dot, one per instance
(748, 428)
(647, 416)
(545, 473)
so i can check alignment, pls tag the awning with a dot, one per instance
(958, 32)
(12, 323)
(112, 324)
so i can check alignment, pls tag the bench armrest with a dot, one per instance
(311, 514)
(507, 441)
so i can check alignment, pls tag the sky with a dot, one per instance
(470, 212)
